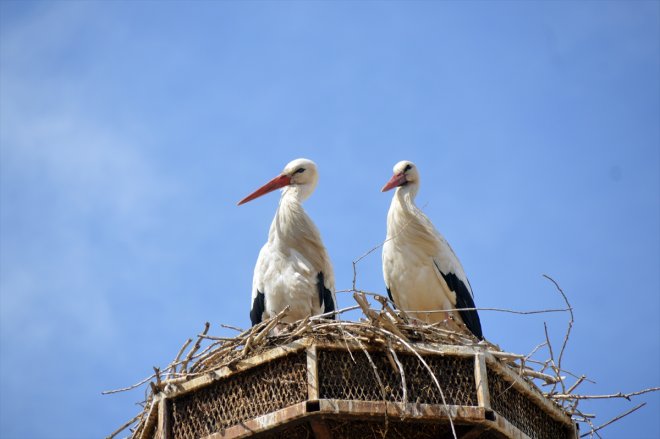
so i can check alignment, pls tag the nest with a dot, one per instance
(385, 329)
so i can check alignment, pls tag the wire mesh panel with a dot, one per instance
(522, 411)
(347, 399)
(239, 397)
(345, 375)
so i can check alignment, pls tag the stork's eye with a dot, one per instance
(407, 168)
(299, 171)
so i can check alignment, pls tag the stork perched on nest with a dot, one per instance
(421, 271)
(293, 267)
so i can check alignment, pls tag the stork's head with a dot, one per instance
(300, 174)
(405, 174)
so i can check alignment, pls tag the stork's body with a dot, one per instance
(421, 271)
(293, 268)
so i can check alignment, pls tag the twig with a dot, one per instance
(435, 380)
(178, 355)
(271, 325)
(539, 346)
(511, 311)
(337, 312)
(355, 262)
(594, 430)
(194, 349)
(627, 396)
(380, 382)
(577, 383)
(235, 328)
(402, 372)
(157, 374)
(549, 379)
(123, 427)
(507, 355)
(568, 330)
(552, 355)
(125, 389)
(214, 338)
(434, 311)
(561, 371)
(592, 426)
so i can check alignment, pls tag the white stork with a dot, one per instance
(421, 271)
(293, 267)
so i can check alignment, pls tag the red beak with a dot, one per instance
(276, 183)
(396, 180)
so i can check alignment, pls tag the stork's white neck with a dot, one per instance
(403, 205)
(293, 229)
(289, 216)
(291, 220)
(407, 224)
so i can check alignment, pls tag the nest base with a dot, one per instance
(325, 390)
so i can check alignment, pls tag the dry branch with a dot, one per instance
(197, 345)
(616, 418)
(613, 395)
(568, 329)
(124, 427)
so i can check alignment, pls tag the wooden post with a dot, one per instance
(152, 418)
(312, 374)
(481, 379)
(163, 420)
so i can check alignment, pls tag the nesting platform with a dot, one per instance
(323, 389)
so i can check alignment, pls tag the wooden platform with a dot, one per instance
(335, 390)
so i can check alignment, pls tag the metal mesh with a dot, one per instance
(343, 375)
(239, 397)
(523, 412)
(352, 378)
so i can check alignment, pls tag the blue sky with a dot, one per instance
(129, 130)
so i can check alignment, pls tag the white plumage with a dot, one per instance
(293, 267)
(421, 271)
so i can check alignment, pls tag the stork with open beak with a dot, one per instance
(293, 267)
(421, 271)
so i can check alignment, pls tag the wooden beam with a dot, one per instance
(412, 411)
(312, 374)
(163, 431)
(509, 430)
(152, 418)
(481, 379)
(263, 423)
(346, 411)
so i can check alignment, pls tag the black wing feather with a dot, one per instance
(463, 300)
(389, 294)
(325, 296)
(258, 306)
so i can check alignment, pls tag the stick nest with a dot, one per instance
(385, 329)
